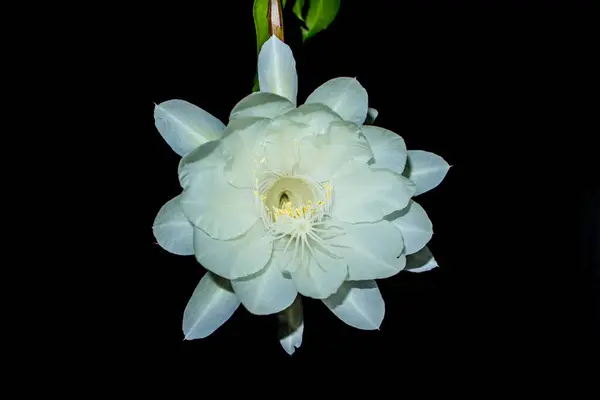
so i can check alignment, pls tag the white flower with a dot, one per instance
(290, 200)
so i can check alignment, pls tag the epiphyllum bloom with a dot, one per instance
(288, 200)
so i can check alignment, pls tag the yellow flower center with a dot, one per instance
(295, 208)
(293, 197)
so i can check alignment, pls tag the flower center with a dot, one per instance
(294, 209)
(283, 199)
(295, 197)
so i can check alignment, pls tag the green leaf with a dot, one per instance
(321, 14)
(298, 7)
(261, 25)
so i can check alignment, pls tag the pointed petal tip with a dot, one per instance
(275, 37)
(277, 69)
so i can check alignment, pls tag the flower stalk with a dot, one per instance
(275, 16)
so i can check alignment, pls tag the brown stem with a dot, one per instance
(275, 16)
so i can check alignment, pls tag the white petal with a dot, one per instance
(293, 339)
(345, 96)
(371, 115)
(216, 207)
(389, 149)
(234, 258)
(320, 277)
(421, 261)
(206, 156)
(371, 250)
(267, 291)
(241, 143)
(415, 225)
(425, 169)
(185, 126)
(277, 69)
(211, 305)
(367, 195)
(261, 104)
(172, 230)
(320, 157)
(317, 117)
(359, 304)
(291, 326)
(281, 145)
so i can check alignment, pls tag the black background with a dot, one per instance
(501, 90)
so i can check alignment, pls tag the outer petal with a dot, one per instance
(172, 230)
(277, 69)
(366, 195)
(241, 144)
(185, 126)
(371, 250)
(421, 261)
(261, 104)
(415, 225)
(345, 96)
(315, 117)
(371, 115)
(234, 258)
(389, 150)
(291, 326)
(425, 169)
(358, 304)
(211, 305)
(321, 276)
(320, 157)
(267, 291)
(216, 207)
(206, 156)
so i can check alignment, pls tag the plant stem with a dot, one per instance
(275, 16)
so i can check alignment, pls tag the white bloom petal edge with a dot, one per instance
(359, 304)
(240, 144)
(277, 69)
(372, 114)
(219, 209)
(235, 258)
(321, 156)
(185, 126)
(291, 327)
(203, 157)
(293, 340)
(421, 261)
(316, 117)
(345, 96)
(172, 230)
(370, 249)
(267, 291)
(389, 149)
(321, 277)
(261, 104)
(415, 225)
(427, 170)
(362, 194)
(209, 307)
